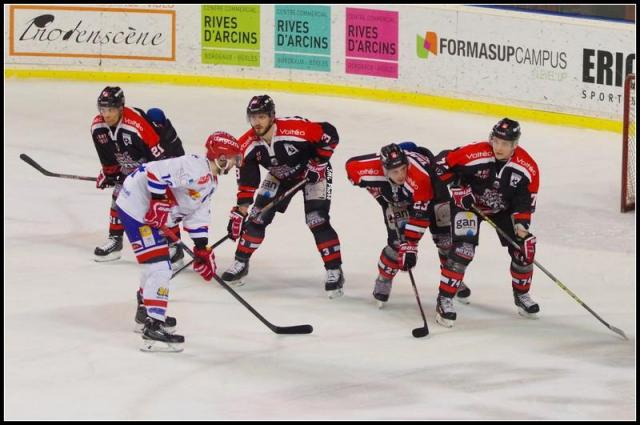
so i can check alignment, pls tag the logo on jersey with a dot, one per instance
(526, 165)
(292, 132)
(291, 150)
(465, 224)
(368, 172)
(126, 139)
(103, 138)
(204, 179)
(193, 194)
(515, 178)
(482, 174)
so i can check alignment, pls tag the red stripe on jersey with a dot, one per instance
(324, 153)
(143, 128)
(328, 244)
(160, 253)
(369, 166)
(310, 131)
(155, 303)
(419, 222)
(247, 189)
(330, 257)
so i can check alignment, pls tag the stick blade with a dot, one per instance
(290, 330)
(619, 332)
(420, 332)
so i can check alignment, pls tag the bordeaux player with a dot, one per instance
(401, 183)
(502, 180)
(159, 193)
(291, 149)
(125, 138)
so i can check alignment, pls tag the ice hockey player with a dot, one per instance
(125, 138)
(501, 179)
(156, 194)
(401, 183)
(292, 149)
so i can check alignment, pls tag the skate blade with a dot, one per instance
(177, 264)
(463, 300)
(522, 312)
(335, 293)
(139, 328)
(151, 346)
(109, 257)
(444, 322)
(381, 304)
(236, 283)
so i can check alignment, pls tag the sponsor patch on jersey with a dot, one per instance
(515, 178)
(163, 292)
(147, 236)
(482, 174)
(103, 138)
(204, 179)
(465, 223)
(193, 194)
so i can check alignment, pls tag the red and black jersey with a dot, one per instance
(127, 145)
(295, 141)
(415, 194)
(498, 185)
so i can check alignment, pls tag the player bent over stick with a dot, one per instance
(161, 193)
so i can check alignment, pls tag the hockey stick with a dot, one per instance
(184, 266)
(423, 331)
(30, 161)
(265, 209)
(574, 296)
(297, 329)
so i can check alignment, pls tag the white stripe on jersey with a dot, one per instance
(373, 179)
(480, 161)
(520, 168)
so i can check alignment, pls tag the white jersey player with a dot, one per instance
(159, 194)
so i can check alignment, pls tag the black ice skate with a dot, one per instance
(333, 282)
(110, 251)
(141, 316)
(382, 290)
(445, 313)
(176, 253)
(155, 338)
(234, 274)
(463, 293)
(526, 306)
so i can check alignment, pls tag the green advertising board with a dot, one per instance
(231, 34)
(303, 37)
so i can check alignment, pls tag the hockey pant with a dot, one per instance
(388, 265)
(465, 232)
(317, 202)
(152, 251)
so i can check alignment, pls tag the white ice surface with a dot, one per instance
(69, 349)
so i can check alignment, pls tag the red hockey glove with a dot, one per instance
(463, 197)
(408, 255)
(529, 247)
(158, 212)
(236, 219)
(316, 171)
(103, 181)
(204, 262)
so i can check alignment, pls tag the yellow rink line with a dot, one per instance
(382, 95)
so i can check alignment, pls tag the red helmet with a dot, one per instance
(220, 144)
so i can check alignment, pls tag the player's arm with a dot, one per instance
(110, 172)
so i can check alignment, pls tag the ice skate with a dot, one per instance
(526, 306)
(234, 274)
(110, 251)
(333, 283)
(141, 316)
(155, 338)
(445, 313)
(382, 290)
(463, 293)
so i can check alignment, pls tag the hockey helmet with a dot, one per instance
(261, 104)
(506, 129)
(222, 146)
(392, 156)
(111, 97)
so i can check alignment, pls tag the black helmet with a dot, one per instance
(111, 97)
(392, 156)
(261, 104)
(506, 129)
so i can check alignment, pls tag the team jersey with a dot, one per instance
(132, 142)
(415, 194)
(295, 141)
(497, 185)
(186, 180)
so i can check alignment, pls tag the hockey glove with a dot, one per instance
(204, 262)
(103, 180)
(316, 171)
(463, 197)
(158, 212)
(236, 220)
(529, 247)
(408, 255)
